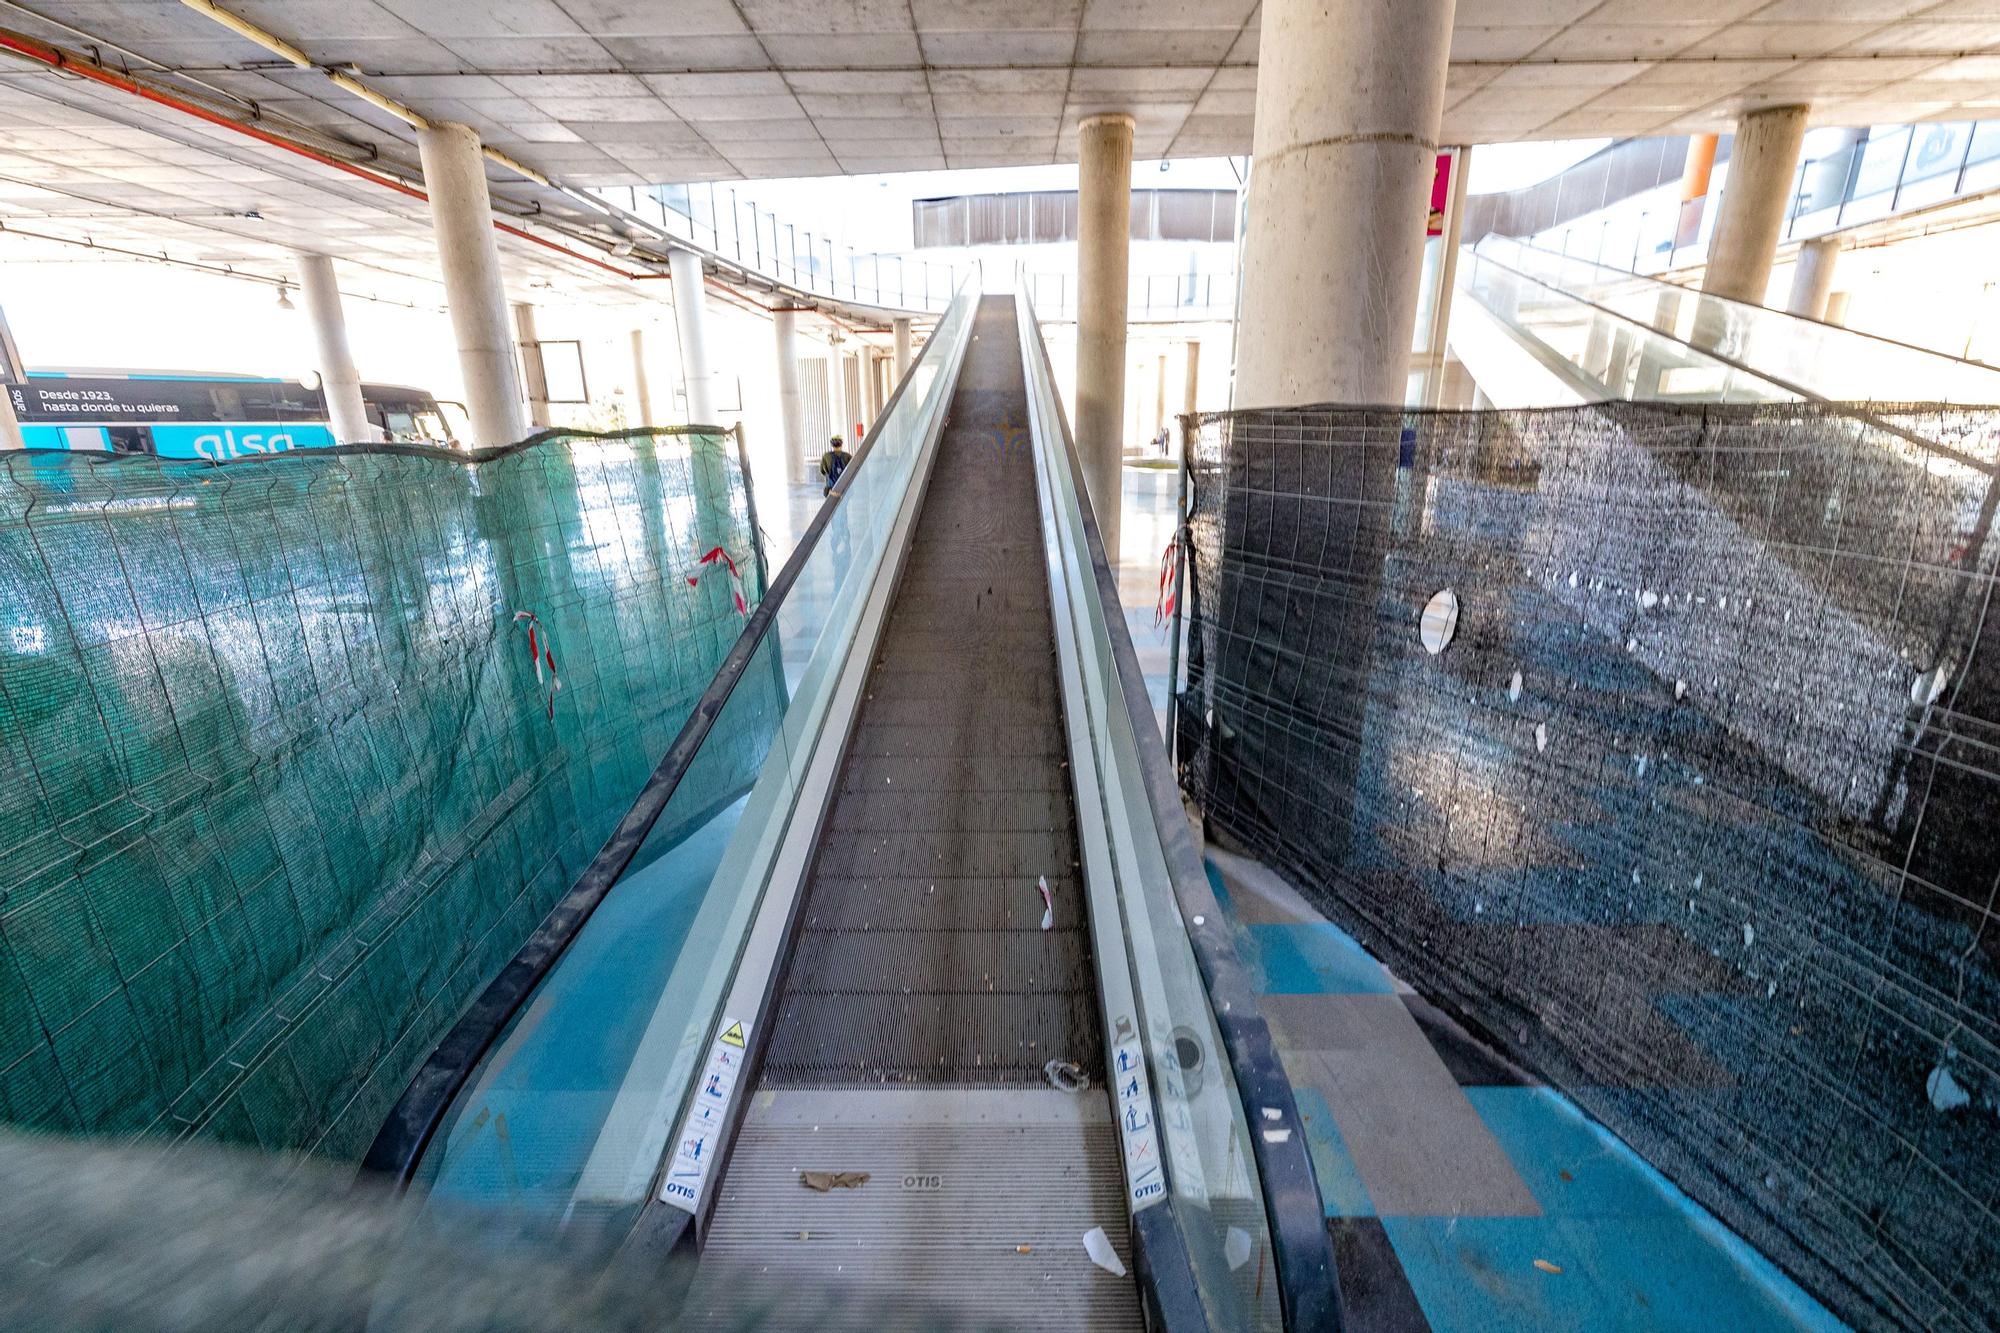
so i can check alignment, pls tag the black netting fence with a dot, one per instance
(1694, 808)
(281, 784)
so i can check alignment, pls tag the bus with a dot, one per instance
(213, 417)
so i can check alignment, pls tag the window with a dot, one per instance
(1039, 217)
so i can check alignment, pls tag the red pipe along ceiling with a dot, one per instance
(63, 61)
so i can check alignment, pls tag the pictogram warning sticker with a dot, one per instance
(701, 1128)
(1134, 1097)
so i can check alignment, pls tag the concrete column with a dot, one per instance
(902, 328)
(851, 394)
(1349, 95)
(1653, 360)
(1190, 391)
(1597, 345)
(462, 217)
(691, 318)
(534, 374)
(1103, 262)
(1836, 308)
(1754, 200)
(1160, 394)
(836, 389)
(642, 389)
(1439, 337)
(338, 379)
(1812, 277)
(791, 403)
(872, 372)
(1697, 167)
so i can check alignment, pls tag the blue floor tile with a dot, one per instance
(1635, 1252)
(1573, 1165)
(1479, 1273)
(1340, 1186)
(1316, 959)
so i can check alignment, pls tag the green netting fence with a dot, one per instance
(281, 786)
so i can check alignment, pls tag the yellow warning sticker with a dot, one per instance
(733, 1034)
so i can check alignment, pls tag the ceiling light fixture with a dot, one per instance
(285, 298)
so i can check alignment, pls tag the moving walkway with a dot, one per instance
(1537, 329)
(900, 997)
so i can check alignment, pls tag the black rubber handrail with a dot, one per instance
(1308, 1286)
(418, 1114)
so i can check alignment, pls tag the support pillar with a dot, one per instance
(1349, 96)
(1812, 277)
(1653, 361)
(851, 394)
(1190, 395)
(642, 389)
(691, 318)
(534, 375)
(902, 329)
(706, 453)
(791, 403)
(346, 413)
(1754, 199)
(462, 217)
(1438, 339)
(1103, 260)
(871, 366)
(836, 388)
(1695, 171)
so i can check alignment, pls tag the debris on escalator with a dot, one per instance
(1098, 1246)
(1066, 1076)
(1048, 903)
(825, 1181)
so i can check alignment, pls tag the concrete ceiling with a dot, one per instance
(637, 92)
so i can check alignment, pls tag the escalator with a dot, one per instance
(923, 1003)
(1539, 329)
(808, 1033)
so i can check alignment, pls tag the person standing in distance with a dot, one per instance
(832, 463)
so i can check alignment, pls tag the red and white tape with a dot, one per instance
(1163, 604)
(717, 554)
(543, 656)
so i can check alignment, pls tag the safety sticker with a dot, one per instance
(1134, 1099)
(701, 1128)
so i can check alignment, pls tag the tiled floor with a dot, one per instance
(1462, 1195)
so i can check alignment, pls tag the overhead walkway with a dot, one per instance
(810, 1027)
(1535, 329)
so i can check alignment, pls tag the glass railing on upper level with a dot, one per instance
(1527, 344)
(1803, 356)
(1150, 297)
(564, 1120)
(717, 219)
(1244, 1201)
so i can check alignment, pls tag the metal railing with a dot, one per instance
(1150, 297)
(1886, 170)
(716, 219)
(1805, 356)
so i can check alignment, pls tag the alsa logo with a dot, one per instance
(217, 446)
